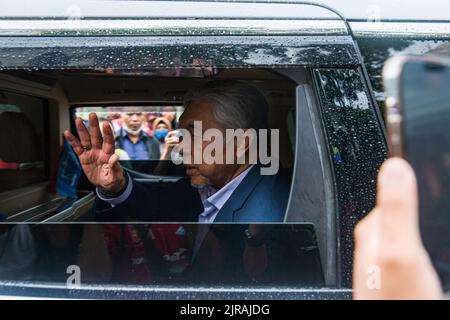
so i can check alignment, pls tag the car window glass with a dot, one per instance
(161, 254)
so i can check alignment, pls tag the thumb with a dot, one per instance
(397, 200)
(114, 165)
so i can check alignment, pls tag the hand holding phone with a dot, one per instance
(418, 123)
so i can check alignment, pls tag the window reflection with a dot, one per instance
(220, 254)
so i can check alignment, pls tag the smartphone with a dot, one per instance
(418, 127)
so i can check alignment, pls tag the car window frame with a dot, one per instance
(333, 287)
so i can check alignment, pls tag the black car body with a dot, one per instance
(331, 64)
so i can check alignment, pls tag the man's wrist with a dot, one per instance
(110, 194)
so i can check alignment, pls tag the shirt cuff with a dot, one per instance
(121, 198)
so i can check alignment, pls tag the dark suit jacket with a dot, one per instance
(258, 198)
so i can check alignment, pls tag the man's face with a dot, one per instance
(217, 174)
(134, 120)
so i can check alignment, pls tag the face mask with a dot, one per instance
(160, 134)
(130, 131)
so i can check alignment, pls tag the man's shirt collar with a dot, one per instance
(217, 200)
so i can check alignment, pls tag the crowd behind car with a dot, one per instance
(140, 134)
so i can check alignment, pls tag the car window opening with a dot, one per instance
(175, 253)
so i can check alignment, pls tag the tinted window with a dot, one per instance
(169, 254)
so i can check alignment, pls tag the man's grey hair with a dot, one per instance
(237, 104)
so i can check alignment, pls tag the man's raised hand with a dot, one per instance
(96, 154)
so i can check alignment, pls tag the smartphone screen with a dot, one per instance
(425, 93)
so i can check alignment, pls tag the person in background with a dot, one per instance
(116, 121)
(161, 127)
(388, 238)
(170, 114)
(171, 139)
(150, 117)
(134, 140)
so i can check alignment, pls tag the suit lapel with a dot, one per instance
(226, 213)
(239, 196)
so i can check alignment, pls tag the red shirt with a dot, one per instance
(129, 257)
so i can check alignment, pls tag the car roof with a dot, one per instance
(388, 10)
(366, 10)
